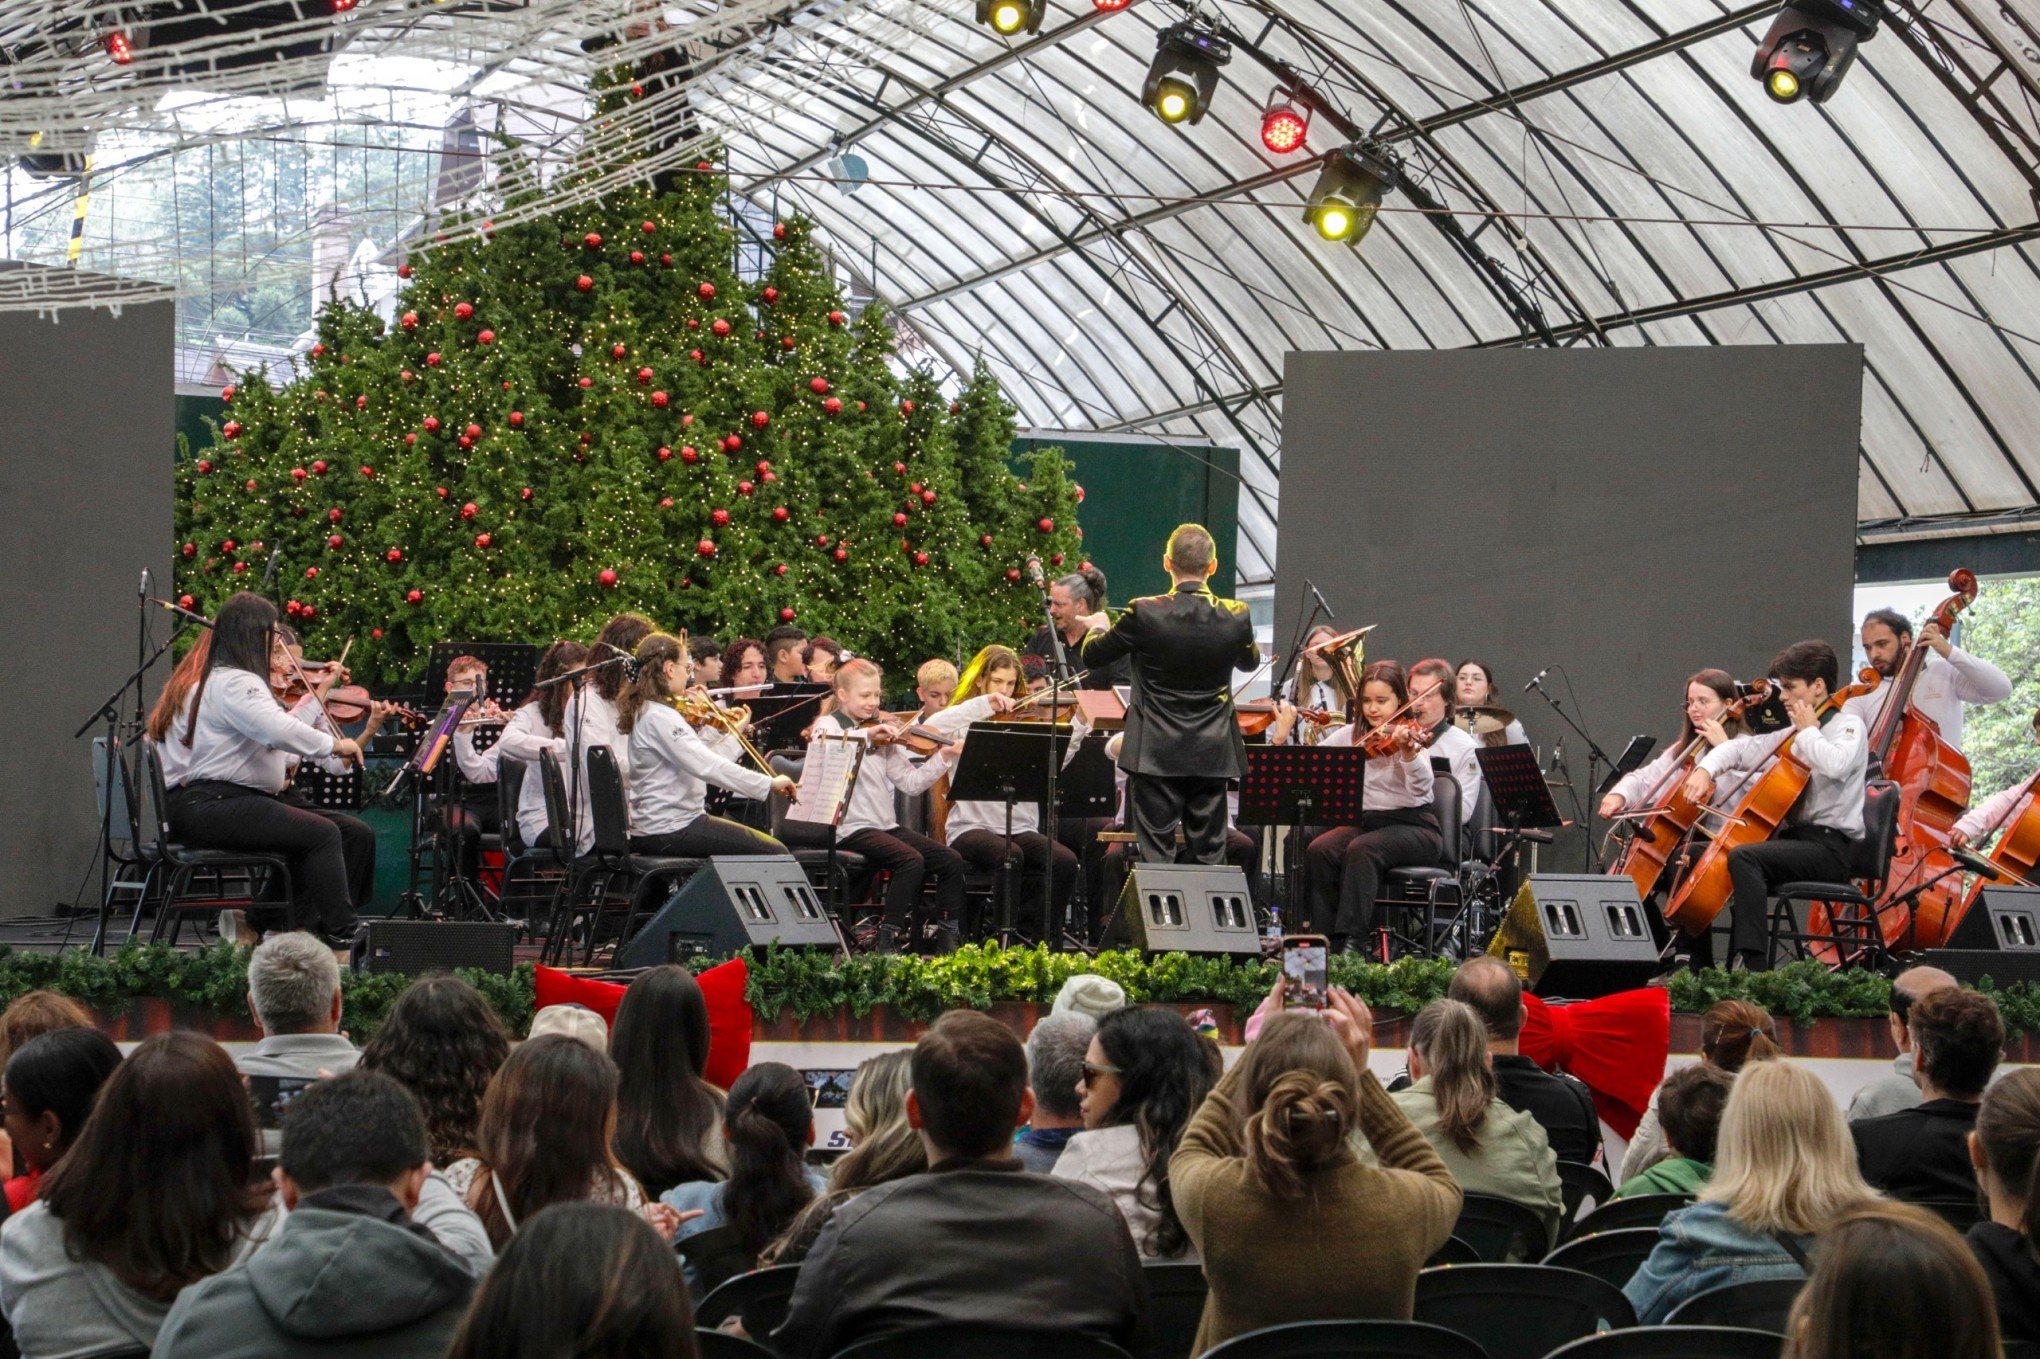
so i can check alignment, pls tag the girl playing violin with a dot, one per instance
(473, 813)
(1398, 826)
(590, 718)
(671, 766)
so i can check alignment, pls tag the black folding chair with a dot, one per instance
(1614, 1256)
(1582, 1184)
(716, 1257)
(759, 1297)
(1427, 896)
(713, 1344)
(1176, 1294)
(1519, 1311)
(1645, 1210)
(1349, 1340)
(1501, 1231)
(1675, 1342)
(1455, 1251)
(1754, 1304)
(1854, 933)
(207, 880)
(959, 1341)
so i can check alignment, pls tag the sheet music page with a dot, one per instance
(825, 781)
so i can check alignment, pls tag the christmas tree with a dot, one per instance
(589, 411)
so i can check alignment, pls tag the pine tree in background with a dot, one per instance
(589, 412)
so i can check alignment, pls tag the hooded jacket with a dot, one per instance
(349, 1273)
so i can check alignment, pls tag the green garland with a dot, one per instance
(213, 982)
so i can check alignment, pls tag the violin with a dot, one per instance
(351, 703)
(915, 736)
(1256, 715)
(1395, 737)
(697, 709)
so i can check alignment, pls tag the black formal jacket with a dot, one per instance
(968, 1242)
(1921, 1153)
(1184, 647)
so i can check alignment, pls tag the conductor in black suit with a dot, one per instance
(1183, 745)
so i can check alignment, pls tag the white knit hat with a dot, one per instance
(1087, 993)
(572, 1021)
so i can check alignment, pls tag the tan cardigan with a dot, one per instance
(1349, 1249)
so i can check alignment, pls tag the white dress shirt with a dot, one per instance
(245, 736)
(1456, 746)
(173, 757)
(1391, 782)
(590, 721)
(978, 814)
(1634, 788)
(1838, 753)
(1941, 690)
(522, 738)
(890, 769)
(671, 768)
(476, 766)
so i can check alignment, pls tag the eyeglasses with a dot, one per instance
(1093, 1072)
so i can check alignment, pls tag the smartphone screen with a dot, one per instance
(1303, 971)
(273, 1094)
(829, 1089)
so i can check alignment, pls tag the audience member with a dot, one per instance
(1689, 1106)
(1892, 1282)
(1900, 1090)
(1055, 1064)
(545, 1137)
(1489, 1147)
(294, 994)
(2004, 1148)
(155, 1194)
(570, 1020)
(47, 1091)
(1142, 1078)
(442, 1041)
(1561, 1105)
(668, 1119)
(976, 1240)
(1087, 993)
(1783, 1169)
(583, 1280)
(769, 1125)
(883, 1147)
(1291, 1223)
(349, 1272)
(35, 1013)
(1922, 1153)
(1732, 1032)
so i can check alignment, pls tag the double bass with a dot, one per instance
(1933, 783)
(1671, 815)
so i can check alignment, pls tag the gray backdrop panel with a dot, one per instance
(85, 497)
(1629, 514)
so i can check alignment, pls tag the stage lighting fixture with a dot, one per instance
(1348, 193)
(1811, 45)
(1008, 18)
(1184, 73)
(1284, 126)
(1108, 6)
(119, 50)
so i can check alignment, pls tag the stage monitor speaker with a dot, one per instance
(411, 946)
(1972, 965)
(1578, 935)
(2006, 918)
(1189, 908)
(738, 901)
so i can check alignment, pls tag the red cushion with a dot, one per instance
(722, 986)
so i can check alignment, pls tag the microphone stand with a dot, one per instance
(1295, 645)
(1594, 754)
(1051, 818)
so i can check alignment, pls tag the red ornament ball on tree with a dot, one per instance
(463, 310)
(707, 291)
(232, 429)
(432, 359)
(1012, 573)
(821, 540)
(819, 386)
(787, 615)
(779, 231)
(298, 474)
(837, 318)
(367, 471)
(431, 423)
(920, 559)
(227, 395)
(698, 357)
(649, 227)
(524, 494)
(788, 343)
(721, 327)
(906, 408)
(205, 466)
(333, 515)
(311, 573)
(606, 576)
(593, 240)
(413, 596)
(336, 542)
(706, 547)
(841, 554)
(394, 555)
(637, 257)
(586, 383)
(664, 453)
(240, 566)
(250, 483)
(1046, 526)
(666, 260)
(191, 549)
(731, 443)
(927, 497)
(771, 295)
(584, 283)
(517, 419)
(985, 540)
(410, 441)
(688, 454)
(666, 502)
(444, 493)
(317, 350)
(467, 511)
(482, 540)
(617, 351)
(486, 337)
(361, 403)
(779, 570)
(409, 320)
(834, 405)
(644, 377)
(1056, 560)
(760, 419)
(186, 602)
(319, 467)
(780, 514)
(745, 488)
(769, 477)
(720, 518)
(660, 399)
(474, 431)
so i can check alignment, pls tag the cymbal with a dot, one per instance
(1485, 721)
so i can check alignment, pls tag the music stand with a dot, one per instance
(1088, 786)
(1523, 809)
(782, 711)
(513, 669)
(1005, 762)
(1298, 786)
(1628, 762)
(328, 791)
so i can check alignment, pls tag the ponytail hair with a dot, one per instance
(1301, 1103)
(768, 1121)
(1453, 1043)
(2008, 1126)
(650, 685)
(1736, 1032)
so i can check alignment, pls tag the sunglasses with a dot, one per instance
(1093, 1072)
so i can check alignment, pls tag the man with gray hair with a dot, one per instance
(1055, 1063)
(1069, 599)
(294, 994)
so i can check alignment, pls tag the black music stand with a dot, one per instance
(513, 669)
(1523, 811)
(1088, 786)
(1005, 762)
(329, 791)
(1298, 786)
(781, 712)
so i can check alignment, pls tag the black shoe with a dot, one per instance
(886, 940)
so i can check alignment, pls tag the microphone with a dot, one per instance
(181, 612)
(1976, 863)
(1034, 573)
(1319, 595)
(269, 571)
(1537, 679)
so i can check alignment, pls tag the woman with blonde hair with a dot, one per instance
(1489, 1147)
(1292, 1225)
(1892, 1282)
(883, 1147)
(1732, 1032)
(1784, 1168)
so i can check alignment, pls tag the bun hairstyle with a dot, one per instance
(1735, 1032)
(1298, 1085)
(1453, 1043)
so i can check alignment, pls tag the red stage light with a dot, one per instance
(1109, 5)
(119, 48)
(342, 6)
(1283, 129)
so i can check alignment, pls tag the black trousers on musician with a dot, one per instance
(704, 838)
(1039, 857)
(357, 846)
(212, 815)
(1345, 865)
(467, 820)
(1156, 805)
(914, 860)
(1797, 854)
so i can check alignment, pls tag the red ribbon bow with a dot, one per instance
(1616, 1046)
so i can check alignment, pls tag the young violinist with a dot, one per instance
(977, 829)
(539, 724)
(473, 812)
(1814, 843)
(1398, 825)
(707, 654)
(870, 825)
(935, 686)
(820, 659)
(357, 837)
(172, 752)
(671, 766)
(1994, 814)
(241, 741)
(1474, 687)
(1314, 684)
(1433, 704)
(591, 717)
(1708, 695)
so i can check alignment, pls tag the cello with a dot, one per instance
(1705, 891)
(1671, 815)
(2017, 851)
(1933, 782)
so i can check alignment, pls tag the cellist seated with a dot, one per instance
(1814, 844)
(1998, 812)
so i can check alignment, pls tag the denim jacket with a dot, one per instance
(1699, 1248)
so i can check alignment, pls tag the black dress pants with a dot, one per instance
(213, 815)
(1156, 805)
(1797, 854)
(467, 820)
(704, 838)
(357, 846)
(913, 859)
(1038, 856)
(1345, 865)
